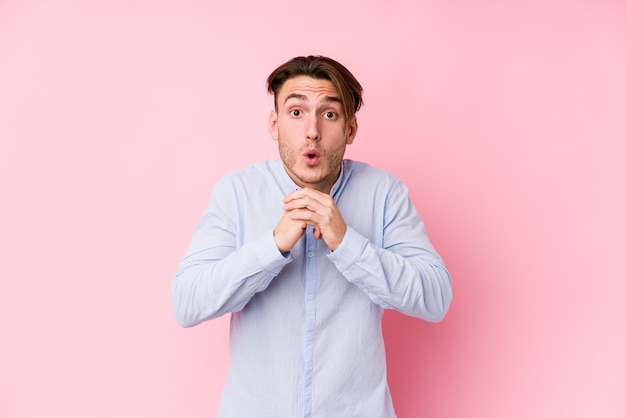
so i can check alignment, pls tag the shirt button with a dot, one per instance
(309, 296)
(310, 254)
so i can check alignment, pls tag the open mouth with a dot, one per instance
(312, 156)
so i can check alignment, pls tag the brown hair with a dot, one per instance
(319, 67)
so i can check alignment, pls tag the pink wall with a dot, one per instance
(506, 119)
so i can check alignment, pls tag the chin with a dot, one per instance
(310, 180)
(312, 176)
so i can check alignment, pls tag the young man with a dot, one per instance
(306, 252)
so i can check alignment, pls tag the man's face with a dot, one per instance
(311, 131)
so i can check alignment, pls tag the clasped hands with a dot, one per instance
(306, 207)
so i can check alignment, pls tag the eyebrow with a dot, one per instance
(302, 97)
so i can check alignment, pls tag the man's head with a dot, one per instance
(313, 120)
(348, 88)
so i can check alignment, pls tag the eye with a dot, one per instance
(330, 115)
(295, 112)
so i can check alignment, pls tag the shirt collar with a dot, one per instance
(288, 185)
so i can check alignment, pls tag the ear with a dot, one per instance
(351, 130)
(272, 125)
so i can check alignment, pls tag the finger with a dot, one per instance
(305, 192)
(304, 215)
(308, 219)
(303, 203)
(297, 194)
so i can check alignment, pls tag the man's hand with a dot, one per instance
(288, 232)
(309, 207)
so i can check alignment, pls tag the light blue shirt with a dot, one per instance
(306, 327)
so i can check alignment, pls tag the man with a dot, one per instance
(306, 252)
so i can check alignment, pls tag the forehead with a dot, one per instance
(307, 86)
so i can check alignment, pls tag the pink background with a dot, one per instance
(506, 119)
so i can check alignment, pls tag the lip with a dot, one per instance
(312, 156)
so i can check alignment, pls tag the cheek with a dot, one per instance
(286, 127)
(337, 135)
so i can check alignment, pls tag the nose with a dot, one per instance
(312, 129)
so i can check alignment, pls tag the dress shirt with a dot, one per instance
(306, 326)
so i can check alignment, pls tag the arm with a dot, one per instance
(405, 273)
(216, 275)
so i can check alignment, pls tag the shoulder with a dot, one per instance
(251, 174)
(359, 172)
(245, 184)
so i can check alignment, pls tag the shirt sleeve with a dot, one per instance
(216, 275)
(405, 273)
